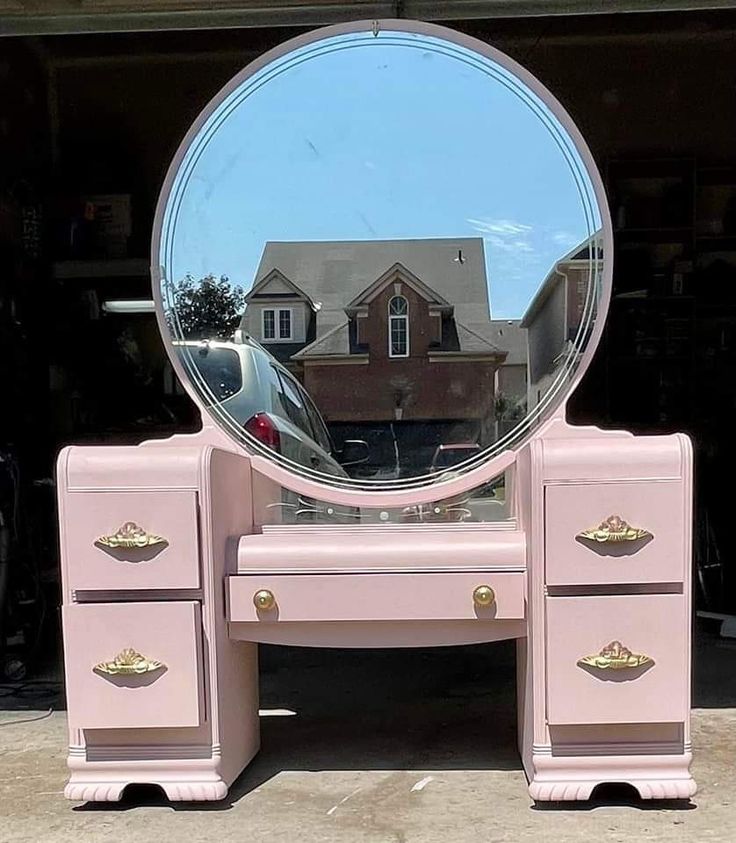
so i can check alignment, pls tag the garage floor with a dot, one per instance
(380, 746)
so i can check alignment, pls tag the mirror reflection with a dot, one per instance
(488, 502)
(383, 279)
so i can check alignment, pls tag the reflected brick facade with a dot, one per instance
(430, 384)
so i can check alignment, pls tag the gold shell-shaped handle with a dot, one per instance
(264, 600)
(615, 656)
(484, 596)
(128, 662)
(130, 535)
(614, 529)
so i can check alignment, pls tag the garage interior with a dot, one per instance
(89, 116)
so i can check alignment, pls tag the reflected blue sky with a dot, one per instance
(400, 136)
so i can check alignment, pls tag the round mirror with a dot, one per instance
(381, 255)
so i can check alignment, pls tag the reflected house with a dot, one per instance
(553, 319)
(392, 339)
(511, 376)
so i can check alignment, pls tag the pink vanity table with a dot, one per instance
(180, 556)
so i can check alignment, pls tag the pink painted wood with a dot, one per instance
(652, 625)
(588, 454)
(167, 632)
(570, 778)
(376, 597)
(658, 507)
(390, 548)
(617, 738)
(195, 761)
(385, 587)
(171, 515)
(383, 634)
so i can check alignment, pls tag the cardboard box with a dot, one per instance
(113, 222)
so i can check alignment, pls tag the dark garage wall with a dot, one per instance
(636, 85)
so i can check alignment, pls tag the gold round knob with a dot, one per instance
(264, 600)
(484, 595)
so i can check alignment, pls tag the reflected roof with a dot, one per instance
(336, 342)
(584, 252)
(333, 273)
(508, 335)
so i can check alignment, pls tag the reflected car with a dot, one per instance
(247, 383)
(446, 456)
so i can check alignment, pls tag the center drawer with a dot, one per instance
(377, 597)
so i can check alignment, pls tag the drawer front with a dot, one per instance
(656, 626)
(377, 597)
(344, 550)
(657, 507)
(165, 547)
(104, 687)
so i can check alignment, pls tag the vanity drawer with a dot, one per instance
(656, 626)
(169, 517)
(657, 507)
(376, 597)
(101, 695)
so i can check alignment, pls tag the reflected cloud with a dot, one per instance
(500, 227)
(505, 235)
(565, 239)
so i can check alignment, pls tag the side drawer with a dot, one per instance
(376, 597)
(656, 626)
(93, 518)
(102, 695)
(656, 507)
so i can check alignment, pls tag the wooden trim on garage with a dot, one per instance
(60, 17)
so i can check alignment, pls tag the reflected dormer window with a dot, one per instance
(277, 323)
(269, 325)
(285, 324)
(398, 327)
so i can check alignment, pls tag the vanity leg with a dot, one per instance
(188, 764)
(571, 778)
(189, 722)
(193, 780)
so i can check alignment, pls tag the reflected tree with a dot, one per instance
(509, 408)
(208, 308)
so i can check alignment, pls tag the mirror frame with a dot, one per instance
(418, 489)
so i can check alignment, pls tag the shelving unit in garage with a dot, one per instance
(136, 394)
(671, 344)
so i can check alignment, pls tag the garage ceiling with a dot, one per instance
(39, 17)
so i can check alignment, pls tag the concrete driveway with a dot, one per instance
(386, 747)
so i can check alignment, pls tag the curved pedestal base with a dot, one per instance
(564, 779)
(194, 780)
(179, 791)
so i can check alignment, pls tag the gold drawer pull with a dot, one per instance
(614, 529)
(130, 535)
(484, 596)
(128, 662)
(615, 656)
(264, 600)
